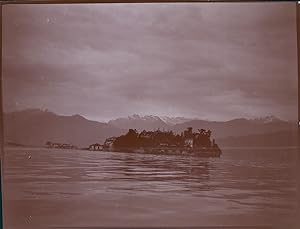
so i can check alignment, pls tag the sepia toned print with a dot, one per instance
(161, 114)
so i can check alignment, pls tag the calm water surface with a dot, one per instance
(82, 188)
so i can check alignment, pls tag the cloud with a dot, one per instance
(214, 61)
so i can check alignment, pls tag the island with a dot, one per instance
(165, 142)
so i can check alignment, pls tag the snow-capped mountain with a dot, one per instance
(147, 122)
(230, 128)
(268, 119)
(35, 127)
(174, 120)
(150, 122)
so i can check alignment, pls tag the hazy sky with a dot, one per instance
(215, 61)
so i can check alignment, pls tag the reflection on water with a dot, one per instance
(104, 188)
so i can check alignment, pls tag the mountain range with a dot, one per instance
(36, 127)
(147, 122)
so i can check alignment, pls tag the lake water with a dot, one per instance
(57, 188)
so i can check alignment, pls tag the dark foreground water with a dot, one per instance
(82, 188)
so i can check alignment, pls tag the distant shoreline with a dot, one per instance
(6, 146)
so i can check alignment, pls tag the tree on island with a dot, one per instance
(167, 138)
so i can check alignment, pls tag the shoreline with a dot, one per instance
(223, 148)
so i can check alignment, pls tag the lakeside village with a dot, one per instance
(154, 142)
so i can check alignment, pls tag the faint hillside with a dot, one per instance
(35, 127)
(239, 127)
(282, 138)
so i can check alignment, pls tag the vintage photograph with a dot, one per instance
(150, 115)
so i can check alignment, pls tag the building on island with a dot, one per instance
(96, 147)
(60, 145)
(109, 142)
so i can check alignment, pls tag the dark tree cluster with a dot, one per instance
(202, 138)
(164, 138)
